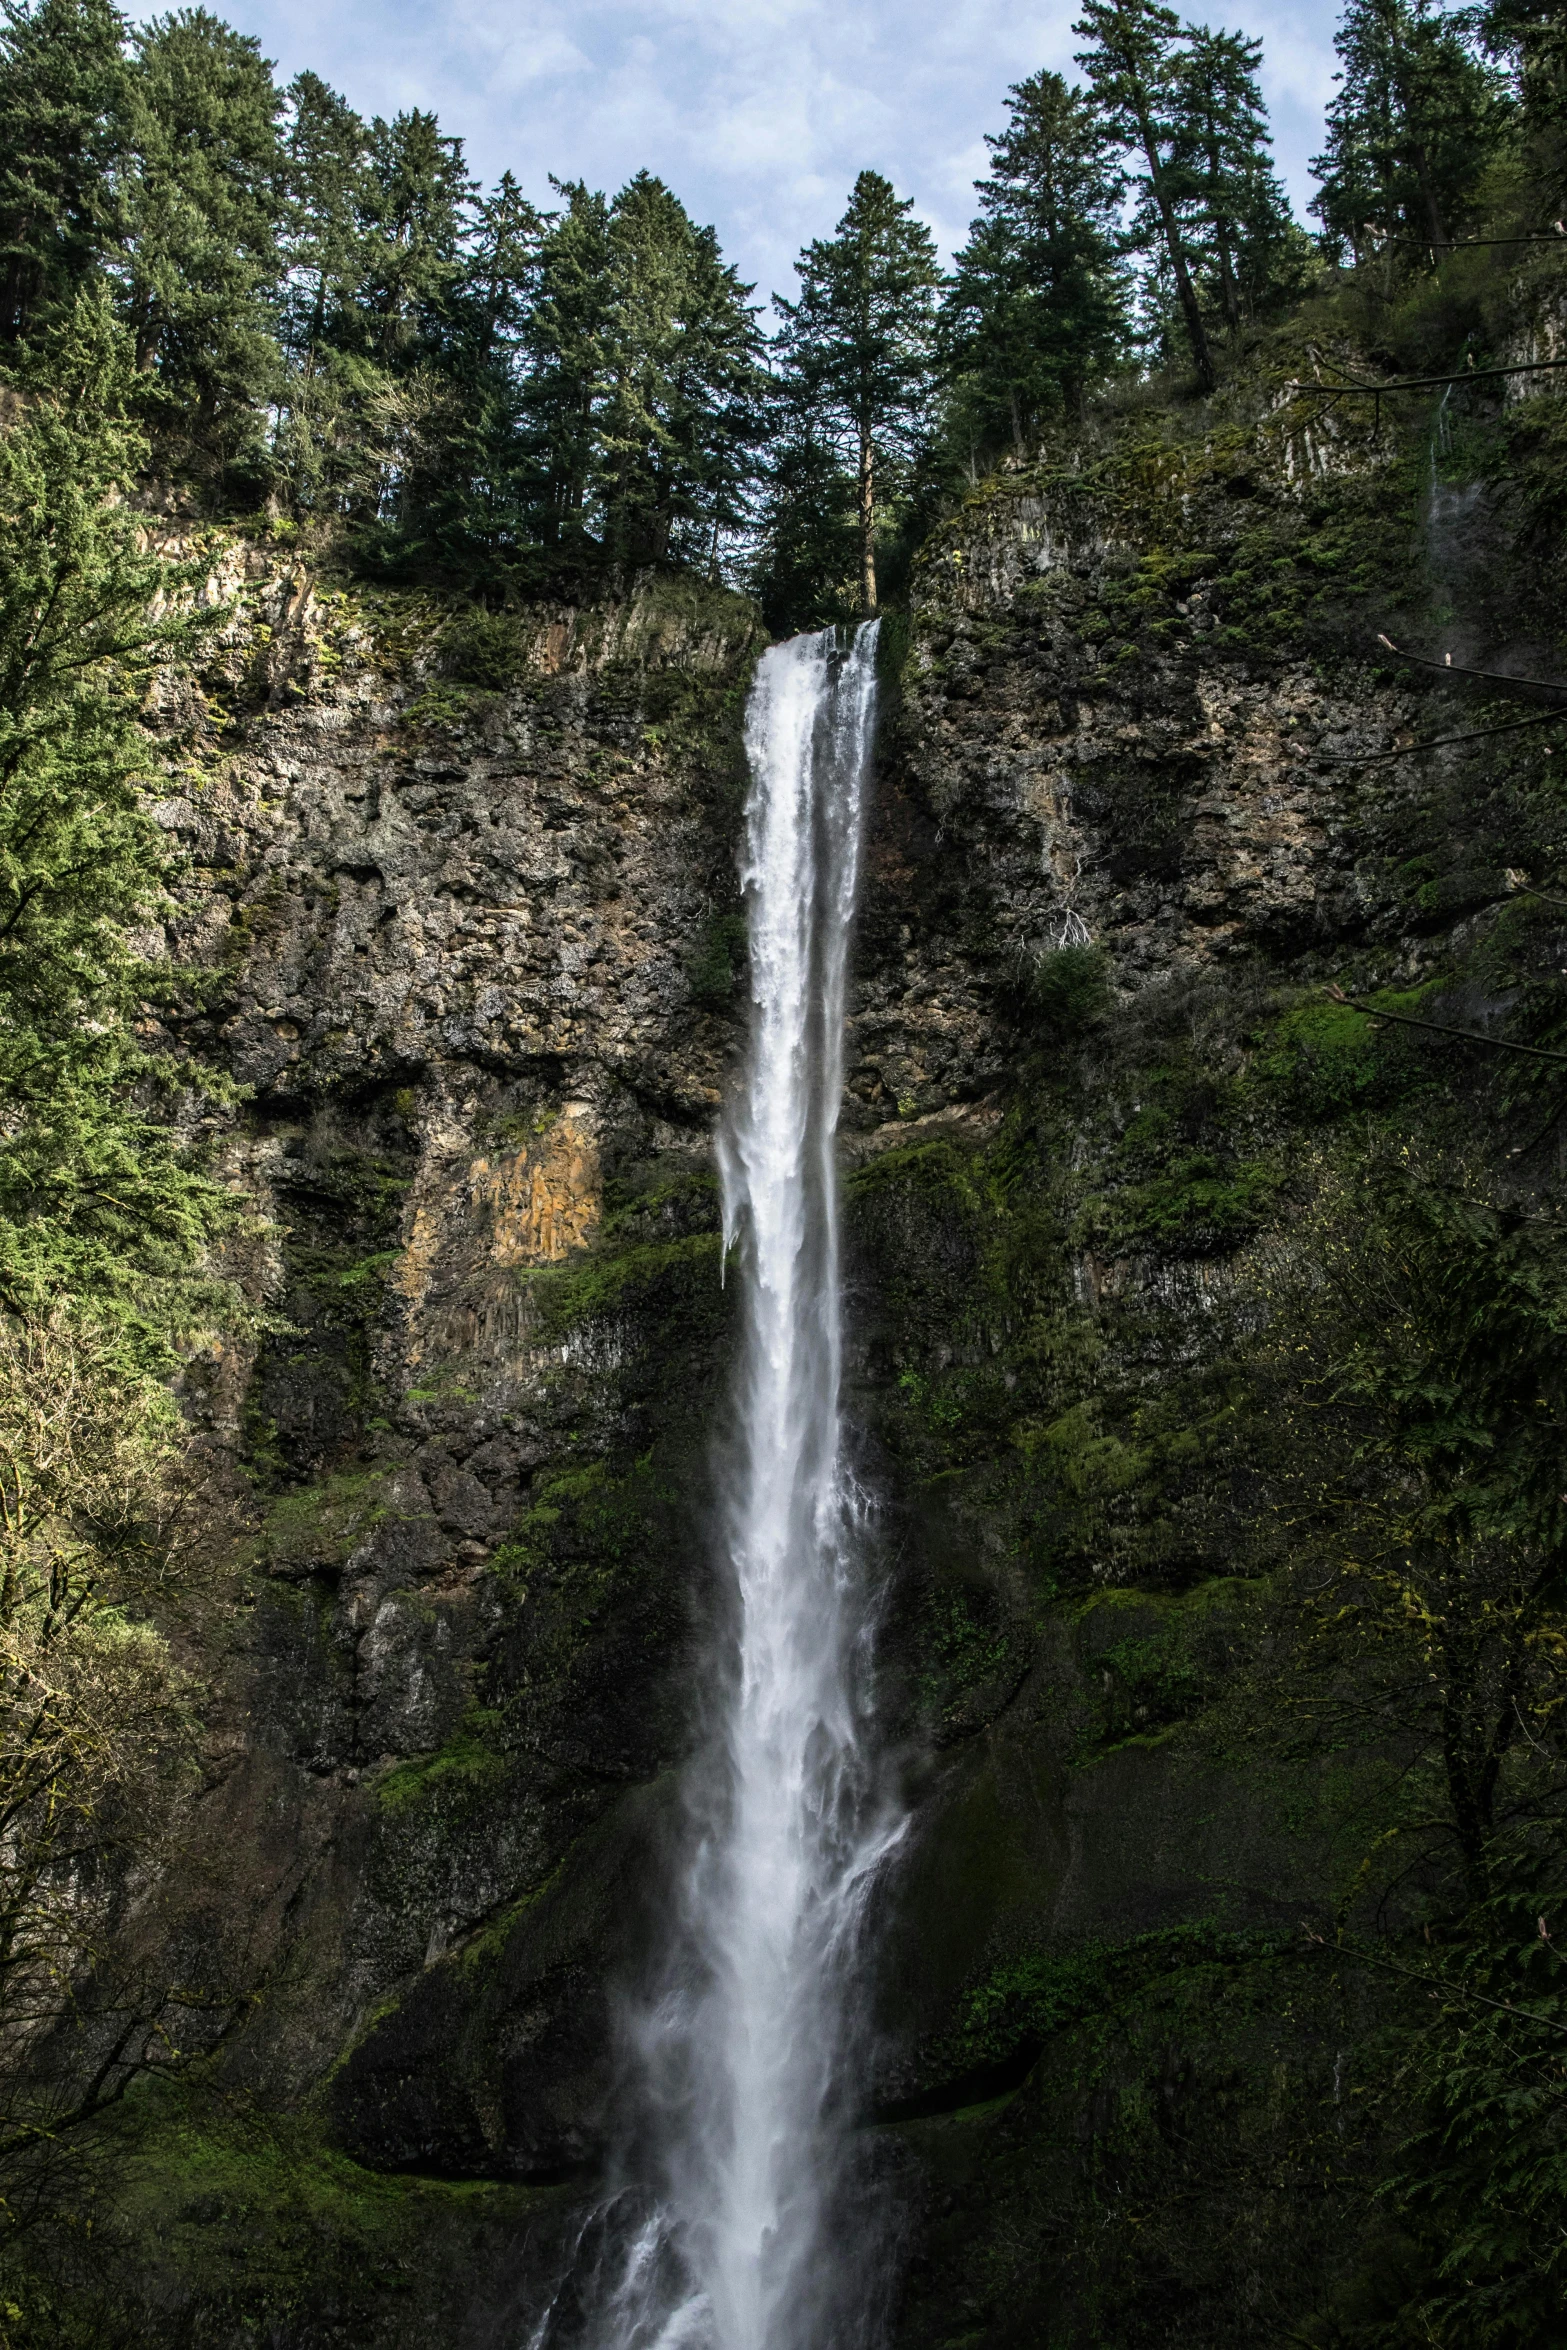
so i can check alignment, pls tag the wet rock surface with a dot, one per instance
(483, 974)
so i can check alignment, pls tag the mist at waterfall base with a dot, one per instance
(738, 2217)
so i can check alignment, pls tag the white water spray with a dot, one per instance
(734, 2238)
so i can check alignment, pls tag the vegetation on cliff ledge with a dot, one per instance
(1214, 1374)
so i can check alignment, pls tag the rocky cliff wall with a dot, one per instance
(471, 886)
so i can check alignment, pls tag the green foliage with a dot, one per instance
(1531, 36)
(678, 414)
(318, 1526)
(719, 961)
(458, 1773)
(257, 2216)
(483, 649)
(1481, 2181)
(1444, 1340)
(808, 530)
(1214, 2175)
(1251, 256)
(1065, 989)
(1036, 308)
(604, 1286)
(99, 1197)
(1326, 1059)
(63, 100)
(1197, 1201)
(1130, 61)
(331, 312)
(1416, 120)
(1027, 1999)
(858, 343)
(199, 201)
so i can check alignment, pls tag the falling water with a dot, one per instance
(733, 2236)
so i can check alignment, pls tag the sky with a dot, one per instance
(758, 113)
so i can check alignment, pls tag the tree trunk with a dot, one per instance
(317, 325)
(1186, 292)
(1433, 212)
(867, 525)
(1232, 303)
(1221, 237)
(13, 302)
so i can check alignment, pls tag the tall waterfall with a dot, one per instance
(734, 2236)
(780, 1887)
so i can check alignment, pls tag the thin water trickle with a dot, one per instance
(732, 2222)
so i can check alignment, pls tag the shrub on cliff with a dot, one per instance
(101, 1199)
(106, 1219)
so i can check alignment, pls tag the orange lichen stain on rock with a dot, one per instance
(412, 1271)
(543, 1200)
(556, 645)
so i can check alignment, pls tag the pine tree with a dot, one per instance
(565, 345)
(62, 128)
(99, 1201)
(680, 413)
(1219, 167)
(500, 280)
(326, 151)
(1415, 122)
(1037, 301)
(806, 573)
(1532, 35)
(468, 490)
(860, 340)
(393, 383)
(322, 444)
(1130, 62)
(418, 198)
(202, 200)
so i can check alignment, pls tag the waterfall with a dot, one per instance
(732, 2230)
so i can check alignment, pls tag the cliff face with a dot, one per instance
(472, 887)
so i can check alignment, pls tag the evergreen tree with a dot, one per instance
(326, 158)
(417, 198)
(680, 413)
(397, 397)
(62, 126)
(860, 340)
(467, 486)
(202, 201)
(1037, 302)
(500, 281)
(807, 570)
(1416, 119)
(566, 340)
(1130, 62)
(1219, 164)
(1532, 36)
(98, 1200)
(321, 444)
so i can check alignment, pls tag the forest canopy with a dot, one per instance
(333, 322)
(226, 301)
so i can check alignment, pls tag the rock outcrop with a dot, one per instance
(473, 893)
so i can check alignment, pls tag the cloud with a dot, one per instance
(758, 113)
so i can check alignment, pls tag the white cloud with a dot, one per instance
(758, 113)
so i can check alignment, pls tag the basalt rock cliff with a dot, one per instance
(471, 888)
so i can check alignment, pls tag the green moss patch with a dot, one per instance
(319, 1526)
(657, 1282)
(464, 1770)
